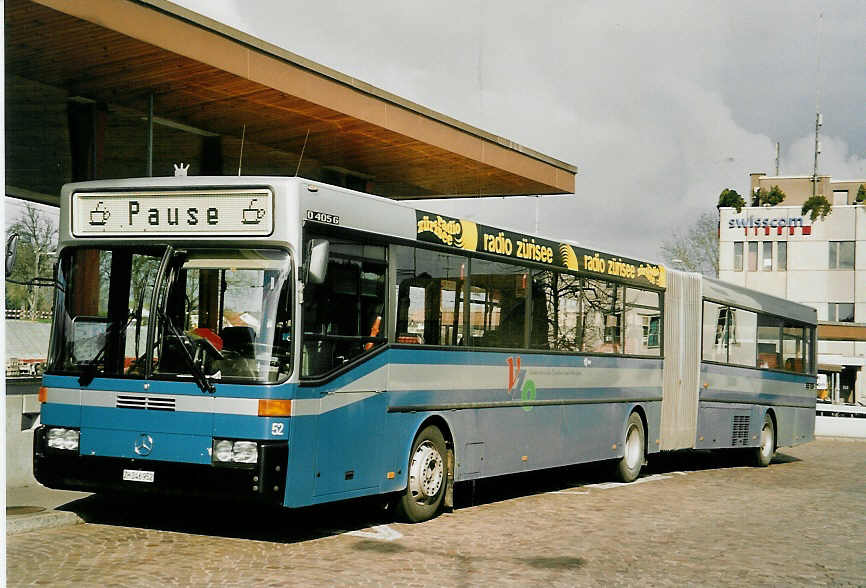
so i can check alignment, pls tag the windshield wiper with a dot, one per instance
(90, 367)
(197, 374)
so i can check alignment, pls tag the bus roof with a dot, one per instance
(752, 300)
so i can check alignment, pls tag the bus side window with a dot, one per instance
(556, 317)
(429, 296)
(602, 303)
(642, 322)
(769, 342)
(344, 317)
(498, 304)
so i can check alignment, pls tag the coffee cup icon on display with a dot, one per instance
(99, 216)
(252, 215)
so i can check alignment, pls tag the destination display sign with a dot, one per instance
(199, 213)
(471, 236)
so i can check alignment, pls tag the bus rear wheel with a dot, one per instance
(763, 453)
(428, 477)
(629, 466)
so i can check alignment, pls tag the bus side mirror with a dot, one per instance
(11, 253)
(317, 261)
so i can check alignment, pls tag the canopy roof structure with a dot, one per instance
(202, 77)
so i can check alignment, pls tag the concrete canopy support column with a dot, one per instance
(87, 122)
(87, 139)
(212, 156)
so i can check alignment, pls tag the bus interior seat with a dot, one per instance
(794, 364)
(239, 340)
(768, 360)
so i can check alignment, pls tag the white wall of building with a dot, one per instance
(808, 278)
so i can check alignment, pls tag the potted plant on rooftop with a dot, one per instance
(771, 197)
(816, 206)
(731, 199)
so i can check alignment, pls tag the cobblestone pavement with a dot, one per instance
(697, 519)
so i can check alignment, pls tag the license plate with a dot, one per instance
(137, 476)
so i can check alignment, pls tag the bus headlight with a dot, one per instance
(222, 450)
(61, 438)
(229, 451)
(245, 452)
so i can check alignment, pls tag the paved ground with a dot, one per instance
(696, 519)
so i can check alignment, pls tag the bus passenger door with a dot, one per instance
(344, 329)
(350, 433)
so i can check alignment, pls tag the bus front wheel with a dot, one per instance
(763, 453)
(428, 476)
(629, 466)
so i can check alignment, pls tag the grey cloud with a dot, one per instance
(661, 105)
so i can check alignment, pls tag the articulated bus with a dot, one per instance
(295, 343)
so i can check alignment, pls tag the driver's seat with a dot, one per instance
(239, 340)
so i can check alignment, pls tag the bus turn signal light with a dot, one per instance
(43, 394)
(269, 407)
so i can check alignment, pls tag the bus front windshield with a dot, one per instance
(217, 314)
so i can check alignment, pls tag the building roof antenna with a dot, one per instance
(297, 169)
(819, 120)
(777, 158)
(241, 156)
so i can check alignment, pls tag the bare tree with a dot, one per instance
(696, 248)
(38, 238)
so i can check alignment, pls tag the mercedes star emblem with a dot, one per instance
(144, 444)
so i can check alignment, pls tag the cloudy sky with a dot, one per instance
(660, 104)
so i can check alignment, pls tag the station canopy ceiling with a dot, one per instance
(211, 77)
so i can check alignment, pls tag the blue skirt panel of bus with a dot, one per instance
(505, 412)
(735, 400)
(100, 442)
(540, 411)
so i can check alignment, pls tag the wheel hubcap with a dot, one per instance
(766, 441)
(426, 472)
(632, 447)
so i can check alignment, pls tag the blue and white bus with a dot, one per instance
(296, 343)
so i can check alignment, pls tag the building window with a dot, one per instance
(767, 256)
(738, 256)
(840, 197)
(782, 256)
(753, 256)
(840, 312)
(841, 255)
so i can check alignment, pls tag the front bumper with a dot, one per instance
(68, 470)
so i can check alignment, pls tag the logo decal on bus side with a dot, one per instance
(471, 236)
(517, 378)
